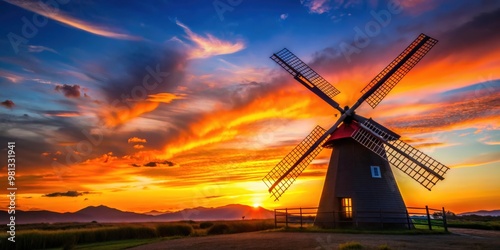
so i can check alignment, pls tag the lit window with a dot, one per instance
(346, 208)
(376, 172)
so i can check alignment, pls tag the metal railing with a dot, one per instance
(413, 217)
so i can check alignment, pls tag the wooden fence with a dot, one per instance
(414, 217)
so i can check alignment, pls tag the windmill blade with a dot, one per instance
(376, 126)
(421, 167)
(279, 179)
(307, 76)
(383, 83)
(413, 162)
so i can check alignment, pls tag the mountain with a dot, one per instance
(228, 212)
(154, 212)
(483, 213)
(106, 214)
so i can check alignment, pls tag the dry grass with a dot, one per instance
(69, 235)
(350, 245)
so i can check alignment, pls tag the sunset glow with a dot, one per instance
(166, 106)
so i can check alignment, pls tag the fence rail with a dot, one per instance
(422, 216)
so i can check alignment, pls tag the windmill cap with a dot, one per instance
(343, 131)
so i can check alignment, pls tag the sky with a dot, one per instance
(167, 105)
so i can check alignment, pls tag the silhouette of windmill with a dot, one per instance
(359, 180)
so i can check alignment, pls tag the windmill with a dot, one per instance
(359, 181)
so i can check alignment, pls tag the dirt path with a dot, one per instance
(459, 239)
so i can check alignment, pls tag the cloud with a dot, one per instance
(416, 7)
(10, 76)
(213, 196)
(7, 104)
(68, 90)
(456, 46)
(490, 141)
(150, 75)
(165, 97)
(159, 163)
(210, 45)
(136, 140)
(150, 164)
(115, 117)
(316, 6)
(38, 49)
(284, 16)
(453, 110)
(138, 146)
(61, 113)
(58, 15)
(66, 194)
(464, 38)
(481, 160)
(239, 111)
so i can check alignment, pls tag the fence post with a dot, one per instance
(445, 223)
(275, 220)
(408, 219)
(428, 217)
(300, 217)
(286, 217)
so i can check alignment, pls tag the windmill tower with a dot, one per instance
(359, 181)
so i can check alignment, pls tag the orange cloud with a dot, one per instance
(165, 97)
(57, 15)
(464, 111)
(224, 125)
(114, 116)
(62, 113)
(123, 113)
(136, 140)
(477, 163)
(210, 45)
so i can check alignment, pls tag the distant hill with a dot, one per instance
(483, 213)
(155, 212)
(228, 212)
(106, 214)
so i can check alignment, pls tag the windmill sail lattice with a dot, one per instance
(398, 68)
(284, 165)
(413, 162)
(417, 165)
(307, 76)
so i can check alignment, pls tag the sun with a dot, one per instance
(256, 205)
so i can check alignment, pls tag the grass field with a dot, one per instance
(124, 235)
(119, 236)
(113, 245)
(485, 225)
